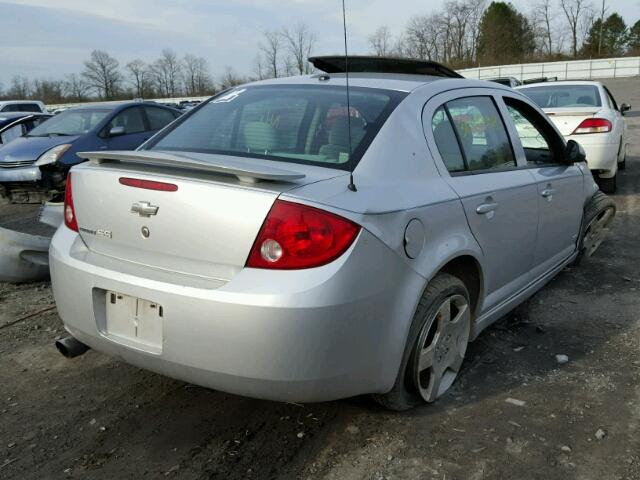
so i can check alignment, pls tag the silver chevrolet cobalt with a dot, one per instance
(298, 240)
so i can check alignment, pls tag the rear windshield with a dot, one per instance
(292, 123)
(564, 96)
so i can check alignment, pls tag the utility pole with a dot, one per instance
(604, 8)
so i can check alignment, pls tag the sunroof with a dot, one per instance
(338, 64)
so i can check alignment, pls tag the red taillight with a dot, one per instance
(148, 184)
(593, 125)
(69, 211)
(297, 236)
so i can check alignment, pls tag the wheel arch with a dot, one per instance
(468, 269)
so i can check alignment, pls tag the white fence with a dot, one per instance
(572, 70)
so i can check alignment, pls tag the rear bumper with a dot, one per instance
(320, 334)
(20, 174)
(601, 156)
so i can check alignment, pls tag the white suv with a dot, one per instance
(23, 106)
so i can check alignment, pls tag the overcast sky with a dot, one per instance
(49, 38)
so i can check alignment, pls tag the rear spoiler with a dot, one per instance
(572, 111)
(539, 80)
(245, 171)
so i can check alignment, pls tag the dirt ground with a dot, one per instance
(515, 412)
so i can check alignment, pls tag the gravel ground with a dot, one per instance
(516, 412)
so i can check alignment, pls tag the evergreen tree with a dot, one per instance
(505, 35)
(614, 38)
(634, 39)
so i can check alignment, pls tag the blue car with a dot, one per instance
(41, 159)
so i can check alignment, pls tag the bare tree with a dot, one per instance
(166, 72)
(138, 73)
(259, 68)
(196, 75)
(577, 12)
(103, 74)
(49, 91)
(230, 79)
(380, 41)
(300, 41)
(75, 87)
(271, 51)
(20, 88)
(458, 17)
(425, 37)
(543, 21)
(477, 9)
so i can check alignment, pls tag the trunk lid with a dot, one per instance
(205, 228)
(568, 119)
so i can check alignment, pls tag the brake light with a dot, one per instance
(148, 184)
(593, 125)
(69, 210)
(295, 236)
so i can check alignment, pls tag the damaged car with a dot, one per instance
(319, 237)
(16, 124)
(34, 167)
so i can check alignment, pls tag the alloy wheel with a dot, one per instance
(597, 230)
(441, 347)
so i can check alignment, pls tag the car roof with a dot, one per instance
(114, 105)
(21, 101)
(386, 81)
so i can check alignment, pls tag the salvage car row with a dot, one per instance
(324, 236)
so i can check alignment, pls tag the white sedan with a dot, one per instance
(586, 111)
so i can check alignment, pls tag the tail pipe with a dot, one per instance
(71, 347)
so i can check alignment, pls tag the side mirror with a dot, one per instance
(116, 131)
(574, 153)
(625, 107)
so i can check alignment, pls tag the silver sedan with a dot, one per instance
(290, 240)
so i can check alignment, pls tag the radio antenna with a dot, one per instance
(351, 186)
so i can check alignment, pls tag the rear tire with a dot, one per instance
(598, 214)
(436, 345)
(623, 164)
(608, 185)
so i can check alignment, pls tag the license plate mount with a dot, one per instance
(134, 321)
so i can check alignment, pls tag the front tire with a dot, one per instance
(436, 346)
(598, 215)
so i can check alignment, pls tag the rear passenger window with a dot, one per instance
(131, 119)
(481, 133)
(446, 141)
(159, 117)
(29, 107)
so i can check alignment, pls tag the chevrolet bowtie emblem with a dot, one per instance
(144, 209)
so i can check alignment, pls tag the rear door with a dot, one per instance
(498, 195)
(560, 185)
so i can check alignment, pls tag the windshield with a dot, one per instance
(564, 96)
(293, 123)
(71, 122)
